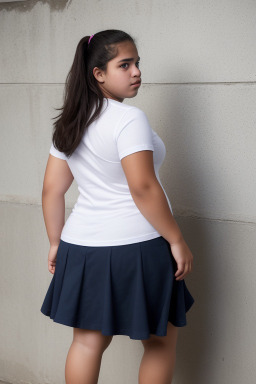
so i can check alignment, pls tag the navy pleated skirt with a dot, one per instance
(120, 290)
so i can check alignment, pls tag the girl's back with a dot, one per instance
(105, 204)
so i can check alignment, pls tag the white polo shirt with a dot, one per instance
(105, 213)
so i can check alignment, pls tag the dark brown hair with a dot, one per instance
(82, 92)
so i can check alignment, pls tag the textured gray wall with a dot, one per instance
(198, 74)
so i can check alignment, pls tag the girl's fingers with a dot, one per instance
(183, 268)
(180, 269)
(51, 267)
(185, 272)
(181, 276)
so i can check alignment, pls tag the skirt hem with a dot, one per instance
(120, 332)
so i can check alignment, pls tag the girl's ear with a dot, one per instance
(99, 74)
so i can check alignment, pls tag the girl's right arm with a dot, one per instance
(150, 199)
(57, 180)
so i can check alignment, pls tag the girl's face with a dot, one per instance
(122, 72)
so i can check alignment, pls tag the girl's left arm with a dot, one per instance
(57, 180)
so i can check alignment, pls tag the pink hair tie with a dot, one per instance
(90, 39)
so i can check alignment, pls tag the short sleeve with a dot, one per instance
(133, 133)
(54, 152)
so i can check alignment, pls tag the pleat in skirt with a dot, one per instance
(120, 290)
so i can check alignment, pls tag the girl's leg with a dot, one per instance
(158, 362)
(84, 356)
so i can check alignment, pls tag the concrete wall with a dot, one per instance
(199, 92)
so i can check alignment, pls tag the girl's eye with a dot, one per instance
(127, 64)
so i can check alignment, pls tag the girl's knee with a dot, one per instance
(92, 339)
(169, 341)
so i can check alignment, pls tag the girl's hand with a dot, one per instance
(52, 258)
(183, 257)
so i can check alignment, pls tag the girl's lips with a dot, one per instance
(136, 85)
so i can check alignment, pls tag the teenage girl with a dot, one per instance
(120, 259)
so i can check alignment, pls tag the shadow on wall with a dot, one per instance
(27, 5)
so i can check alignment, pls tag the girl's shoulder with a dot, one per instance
(125, 108)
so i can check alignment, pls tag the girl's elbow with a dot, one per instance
(142, 189)
(52, 190)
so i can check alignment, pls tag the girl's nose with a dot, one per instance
(137, 71)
